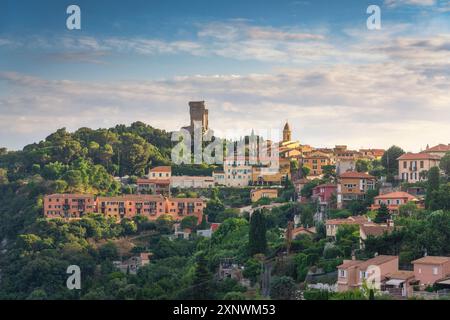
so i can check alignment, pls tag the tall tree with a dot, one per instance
(445, 163)
(433, 184)
(382, 214)
(389, 160)
(202, 280)
(257, 233)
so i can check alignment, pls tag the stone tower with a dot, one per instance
(287, 133)
(198, 113)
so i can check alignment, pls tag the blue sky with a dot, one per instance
(256, 63)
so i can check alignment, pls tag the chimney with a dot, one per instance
(353, 255)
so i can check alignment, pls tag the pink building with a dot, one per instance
(353, 273)
(324, 193)
(430, 269)
(394, 200)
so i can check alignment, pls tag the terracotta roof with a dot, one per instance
(186, 199)
(396, 195)
(215, 226)
(439, 148)
(349, 263)
(418, 156)
(69, 195)
(375, 230)
(378, 260)
(432, 260)
(132, 197)
(161, 169)
(355, 174)
(400, 275)
(349, 220)
(153, 181)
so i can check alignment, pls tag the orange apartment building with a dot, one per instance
(353, 185)
(315, 161)
(129, 206)
(68, 205)
(71, 206)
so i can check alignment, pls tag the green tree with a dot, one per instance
(257, 233)
(433, 184)
(389, 160)
(444, 164)
(282, 288)
(189, 222)
(202, 281)
(382, 214)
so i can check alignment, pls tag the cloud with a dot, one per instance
(361, 105)
(395, 3)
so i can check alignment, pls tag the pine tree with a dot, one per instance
(257, 233)
(382, 214)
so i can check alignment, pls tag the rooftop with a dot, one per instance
(161, 169)
(439, 148)
(432, 260)
(355, 174)
(418, 156)
(396, 195)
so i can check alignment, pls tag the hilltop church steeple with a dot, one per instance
(287, 135)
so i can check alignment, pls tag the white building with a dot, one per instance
(186, 182)
(238, 172)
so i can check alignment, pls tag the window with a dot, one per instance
(421, 164)
(435, 271)
(342, 273)
(405, 164)
(362, 274)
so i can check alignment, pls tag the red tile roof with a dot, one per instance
(355, 174)
(432, 260)
(153, 181)
(439, 148)
(396, 195)
(375, 230)
(161, 169)
(418, 156)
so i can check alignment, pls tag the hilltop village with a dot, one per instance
(328, 223)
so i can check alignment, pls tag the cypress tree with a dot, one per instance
(257, 233)
(433, 185)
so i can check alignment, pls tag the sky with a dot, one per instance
(255, 63)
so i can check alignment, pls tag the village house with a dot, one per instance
(332, 225)
(191, 182)
(207, 233)
(429, 269)
(394, 200)
(413, 167)
(353, 273)
(133, 264)
(315, 161)
(439, 150)
(353, 185)
(373, 230)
